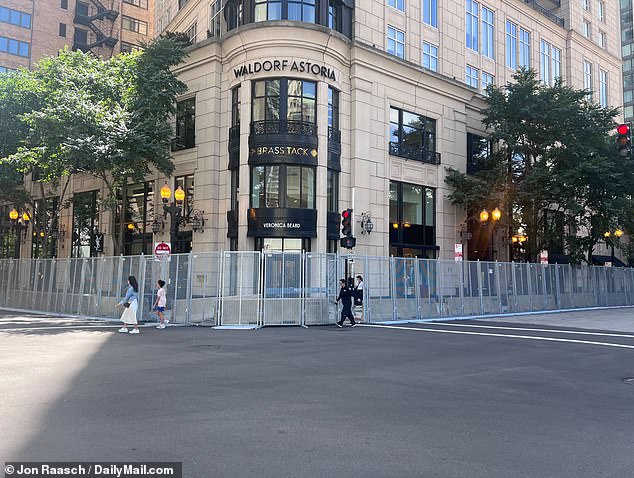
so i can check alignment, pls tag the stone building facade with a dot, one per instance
(299, 109)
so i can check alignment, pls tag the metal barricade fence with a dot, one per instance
(292, 288)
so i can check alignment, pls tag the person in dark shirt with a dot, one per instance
(345, 296)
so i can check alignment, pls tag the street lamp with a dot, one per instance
(175, 210)
(609, 241)
(20, 223)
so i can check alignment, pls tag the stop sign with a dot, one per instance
(162, 249)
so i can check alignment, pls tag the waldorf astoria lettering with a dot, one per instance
(285, 65)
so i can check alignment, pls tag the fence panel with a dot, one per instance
(405, 301)
(321, 279)
(240, 288)
(205, 288)
(283, 288)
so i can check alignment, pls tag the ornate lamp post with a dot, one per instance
(494, 216)
(175, 210)
(20, 223)
(609, 241)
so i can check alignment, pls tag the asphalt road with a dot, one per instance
(429, 400)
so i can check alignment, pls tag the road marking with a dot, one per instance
(20, 329)
(527, 337)
(602, 334)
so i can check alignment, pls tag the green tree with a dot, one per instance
(77, 114)
(552, 152)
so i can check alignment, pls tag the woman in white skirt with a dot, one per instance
(130, 305)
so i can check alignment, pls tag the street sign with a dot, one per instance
(162, 249)
(457, 254)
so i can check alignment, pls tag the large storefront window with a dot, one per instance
(9, 240)
(478, 150)
(43, 244)
(283, 186)
(85, 223)
(412, 220)
(413, 136)
(293, 100)
(139, 213)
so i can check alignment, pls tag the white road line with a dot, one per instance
(602, 334)
(527, 337)
(83, 327)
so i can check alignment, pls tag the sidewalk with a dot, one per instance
(617, 319)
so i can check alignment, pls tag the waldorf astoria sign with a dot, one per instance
(316, 69)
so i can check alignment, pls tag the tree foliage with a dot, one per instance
(78, 114)
(552, 154)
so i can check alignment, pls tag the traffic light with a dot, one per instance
(346, 223)
(348, 242)
(624, 140)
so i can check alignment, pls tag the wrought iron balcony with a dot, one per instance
(299, 128)
(414, 153)
(547, 13)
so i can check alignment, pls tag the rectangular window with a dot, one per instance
(430, 12)
(412, 136)
(488, 33)
(235, 189)
(14, 47)
(430, 56)
(603, 88)
(236, 101)
(215, 18)
(82, 9)
(191, 33)
(587, 77)
(80, 37)
(411, 220)
(332, 190)
(129, 47)
(556, 73)
(85, 223)
(138, 214)
(137, 3)
(398, 4)
(544, 62)
(15, 17)
(586, 29)
(478, 150)
(185, 124)
(511, 45)
(525, 48)
(333, 108)
(62, 29)
(585, 4)
(64, 4)
(186, 183)
(472, 76)
(602, 40)
(487, 79)
(472, 25)
(395, 42)
(601, 11)
(134, 25)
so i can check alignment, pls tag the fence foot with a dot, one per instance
(304, 326)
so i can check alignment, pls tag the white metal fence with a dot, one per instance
(290, 288)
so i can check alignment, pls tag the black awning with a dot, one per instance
(558, 258)
(601, 260)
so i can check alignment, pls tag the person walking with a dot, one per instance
(130, 305)
(345, 296)
(160, 303)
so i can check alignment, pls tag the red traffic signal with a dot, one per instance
(623, 129)
(624, 140)
(346, 222)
